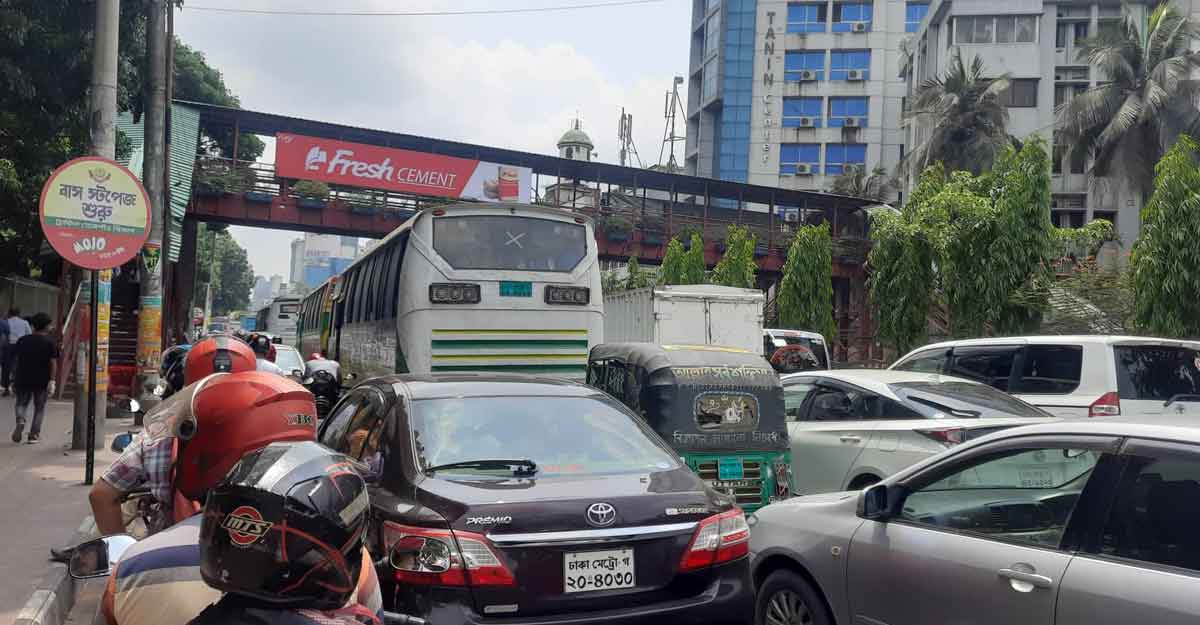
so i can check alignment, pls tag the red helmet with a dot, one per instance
(233, 415)
(217, 354)
(316, 356)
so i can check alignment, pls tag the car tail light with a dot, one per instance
(454, 293)
(439, 557)
(571, 295)
(1109, 405)
(718, 539)
(946, 436)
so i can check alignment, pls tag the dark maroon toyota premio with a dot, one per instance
(511, 500)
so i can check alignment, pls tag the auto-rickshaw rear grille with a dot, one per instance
(751, 472)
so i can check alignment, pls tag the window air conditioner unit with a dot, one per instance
(852, 122)
(855, 75)
(859, 27)
(807, 75)
(792, 216)
(803, 169)
(807, 122)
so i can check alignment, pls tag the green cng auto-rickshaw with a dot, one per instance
(720, 408)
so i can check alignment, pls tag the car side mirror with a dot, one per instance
(97, 558)
(121, 441)
(880, 502)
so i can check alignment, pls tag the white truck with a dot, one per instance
(694, 314)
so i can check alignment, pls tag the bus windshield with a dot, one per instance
(509, 242)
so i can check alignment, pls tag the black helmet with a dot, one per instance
(261, 344)
(286, 528)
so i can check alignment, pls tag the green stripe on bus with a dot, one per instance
(482, 343)
(509, 356)
(470, 331)
(513, 368)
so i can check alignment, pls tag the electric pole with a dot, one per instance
(102, 119)
(154, 167)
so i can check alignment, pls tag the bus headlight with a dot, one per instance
(573, 295)
(454, 293)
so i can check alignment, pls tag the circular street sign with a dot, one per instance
(95, 213)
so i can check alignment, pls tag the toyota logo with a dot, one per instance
(601, 514)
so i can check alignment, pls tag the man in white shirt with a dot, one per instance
(17, 327)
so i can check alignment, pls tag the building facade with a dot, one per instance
(790, 94)
(1036, 43)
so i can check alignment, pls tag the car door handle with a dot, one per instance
(850, 438)
(1037, 581)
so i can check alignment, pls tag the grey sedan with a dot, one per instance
(1092, 522)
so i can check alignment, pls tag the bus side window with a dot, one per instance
(393, 285)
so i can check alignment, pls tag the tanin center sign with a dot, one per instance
(361, 165)
(95, 213)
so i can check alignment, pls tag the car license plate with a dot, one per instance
(723, 484)
(729, 468)
(1035, 478)
(597, 570)
(516, 289)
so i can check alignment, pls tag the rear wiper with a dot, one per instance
(518, 467)
(1181, 397)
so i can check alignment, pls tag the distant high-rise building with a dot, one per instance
(296, 271)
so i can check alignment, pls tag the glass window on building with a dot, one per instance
(847, 14)
(985, 29)
(708, 88)
(843, 62)
(974, 29)
(799, 158)
(797, 62)
(1021, 93)
(1016, 29)
(914, 12)
(806, 17)
(841, 109)
(795, 110)
(840, 155)
(712, 34)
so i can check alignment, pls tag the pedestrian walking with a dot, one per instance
(17, 328)
(36, 356)
(4, 343)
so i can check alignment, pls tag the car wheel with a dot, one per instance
(863, 481)
(785, 598)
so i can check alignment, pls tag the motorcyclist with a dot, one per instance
(286, 550)
(158, 580)
(264, 353)
(316, 362)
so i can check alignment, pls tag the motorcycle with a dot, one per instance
(325, 390)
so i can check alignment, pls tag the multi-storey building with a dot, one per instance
(1037, 44)
(789, 94)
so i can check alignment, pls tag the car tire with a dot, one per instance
(786, 598)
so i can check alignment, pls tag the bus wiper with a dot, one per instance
(1181, 397)
(521, 467)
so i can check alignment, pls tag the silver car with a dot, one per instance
(1106, 531)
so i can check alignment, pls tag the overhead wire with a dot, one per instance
(290, 12)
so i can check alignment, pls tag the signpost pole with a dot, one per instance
(90, 466)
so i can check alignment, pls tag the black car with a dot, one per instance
(511, 499)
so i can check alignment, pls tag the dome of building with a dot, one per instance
(576, 136)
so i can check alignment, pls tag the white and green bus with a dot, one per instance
(468, 287)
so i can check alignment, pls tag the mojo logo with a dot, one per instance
(90, 244)
(315, 158)
(245, 525)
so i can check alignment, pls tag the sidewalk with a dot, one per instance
(42, 498)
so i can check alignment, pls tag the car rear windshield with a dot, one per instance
(817, 347)
(507, 242)
(562, 435)
(289, 360)
(1157, 372)
(955, 399)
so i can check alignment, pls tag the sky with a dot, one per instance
(514, 81)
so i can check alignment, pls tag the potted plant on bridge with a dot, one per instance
(311, 193)
(653, 231)
(617, 228)
(363, 202)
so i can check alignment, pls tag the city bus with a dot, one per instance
(316, 317)
(279, 319)
(470, 287)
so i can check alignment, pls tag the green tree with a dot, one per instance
(635, 277)
(967, 121)
(1145, 100)
(901, 279)
(682, 266)
(234, 278)
(197, 81)
(855, 182)
(805, 297)
(737, 266)
(1166, 257)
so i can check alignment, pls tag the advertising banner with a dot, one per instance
(371, 166)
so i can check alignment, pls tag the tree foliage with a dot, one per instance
(1166, 257)
(737, 266)
(855, 182)
(197, 81)
(635, 277)
(1127, 122)
(805, 297)
(234, 278)
(682, 266)
(967, 122)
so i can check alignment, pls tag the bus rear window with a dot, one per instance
(505, 242)
(287, 309)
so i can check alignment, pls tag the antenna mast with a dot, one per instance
(625, 137)
(672, 106)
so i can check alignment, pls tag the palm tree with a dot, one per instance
(966, 121)
(855, 182)
(1126, 126)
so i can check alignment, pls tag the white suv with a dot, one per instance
(1076, 376)
(852, 427)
